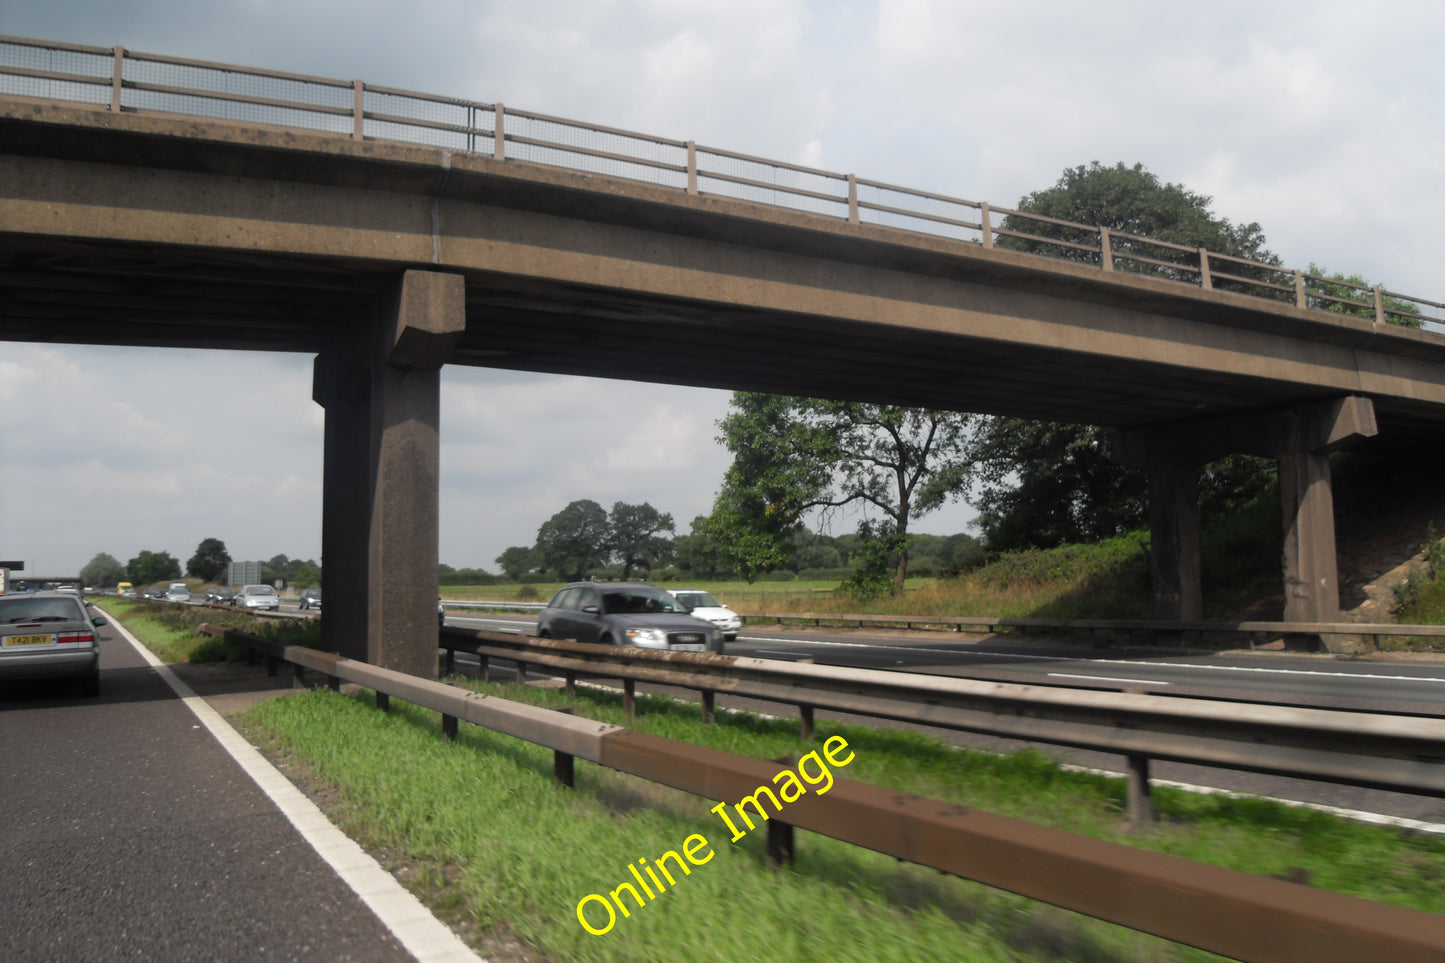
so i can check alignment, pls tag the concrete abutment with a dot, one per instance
(1300, 439)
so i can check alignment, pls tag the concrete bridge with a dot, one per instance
(387, 260)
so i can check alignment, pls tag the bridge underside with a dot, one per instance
(142, 230)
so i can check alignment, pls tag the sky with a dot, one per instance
(1321, 121)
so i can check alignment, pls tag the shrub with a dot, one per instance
(527, 592)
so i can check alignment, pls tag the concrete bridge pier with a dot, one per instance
(380, 385)
(1300, 439)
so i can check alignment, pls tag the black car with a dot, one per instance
(220, 595)
(633, 613)
(310, 599)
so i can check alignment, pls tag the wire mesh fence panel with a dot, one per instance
(577, 146)
(472, 123)
(241, 83)
(59, 63)
(201, 106)
(46, 89)
(921, 213)
(774, 184)
(239, 95)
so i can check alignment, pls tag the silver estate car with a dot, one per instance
(633, 613)
(49, 635)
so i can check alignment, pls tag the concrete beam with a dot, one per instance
(1174, 541)
(380, 385)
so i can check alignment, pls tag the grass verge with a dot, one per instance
(170, 630)
(492, 842)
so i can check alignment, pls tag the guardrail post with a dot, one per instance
(1379, 306)
(450, 664)
(852, 219)
(805, 723)
(985, 226)
(780, 843)
(629, 696)
(521, 672)
(563, 769)
(333, 682)
(1106, 250)
(571, 682)
(449, 727)
(118, 80)
(358, 110)
(482, 667)
(499, 137)
(383, 701)
(1140, 800)
(1206, 279)
(691, 167)
(709, 701)
(1301, 299)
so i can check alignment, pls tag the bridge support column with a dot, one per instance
(1174, 540)
(1301, 440)
(1306, 495)
(380, 386)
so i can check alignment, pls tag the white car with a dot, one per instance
(178, 592)
(702, 605)
(258, 597)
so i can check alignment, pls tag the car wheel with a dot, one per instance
(606, 640)
(731, 638)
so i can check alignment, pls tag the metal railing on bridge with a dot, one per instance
(118, 79)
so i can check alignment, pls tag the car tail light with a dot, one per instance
(75, 637)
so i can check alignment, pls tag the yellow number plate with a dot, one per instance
(29, 640)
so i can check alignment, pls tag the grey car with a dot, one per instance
(49, 635)
(632, 613)
(258, 597)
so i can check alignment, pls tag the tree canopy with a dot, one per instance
(1041, 484)
(794, 455)
(148, 567)
(103, 571)
(635, 536)
(210, 560)
(574, 542)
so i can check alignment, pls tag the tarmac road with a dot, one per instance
(128, 832)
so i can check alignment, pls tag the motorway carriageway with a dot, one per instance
(1397, 686)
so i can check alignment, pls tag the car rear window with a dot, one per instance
(21, 609)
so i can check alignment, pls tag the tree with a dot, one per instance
(210, 560)
(700, 553)
(148, 567)
(517, 561)
(103, 571)
(793, 455)
(1353, 287)
(635, 536)
(1042, 484)
(573, 542)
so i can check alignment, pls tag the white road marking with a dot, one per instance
(421, 934)
(1105, 678)
(1070, 658)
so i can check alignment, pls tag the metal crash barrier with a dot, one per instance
(1223, 911)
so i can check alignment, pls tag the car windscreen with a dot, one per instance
(21, 609)
(698, 600)
(640, 602)
(260, 590)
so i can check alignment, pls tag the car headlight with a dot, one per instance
(655, 636)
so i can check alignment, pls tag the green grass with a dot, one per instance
(499, 845)
(170, 630)
(496, 844)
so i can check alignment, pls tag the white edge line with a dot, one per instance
(1105, 678)
(1379, 819)
(421, 934)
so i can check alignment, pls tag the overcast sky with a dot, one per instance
(1321, 121)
